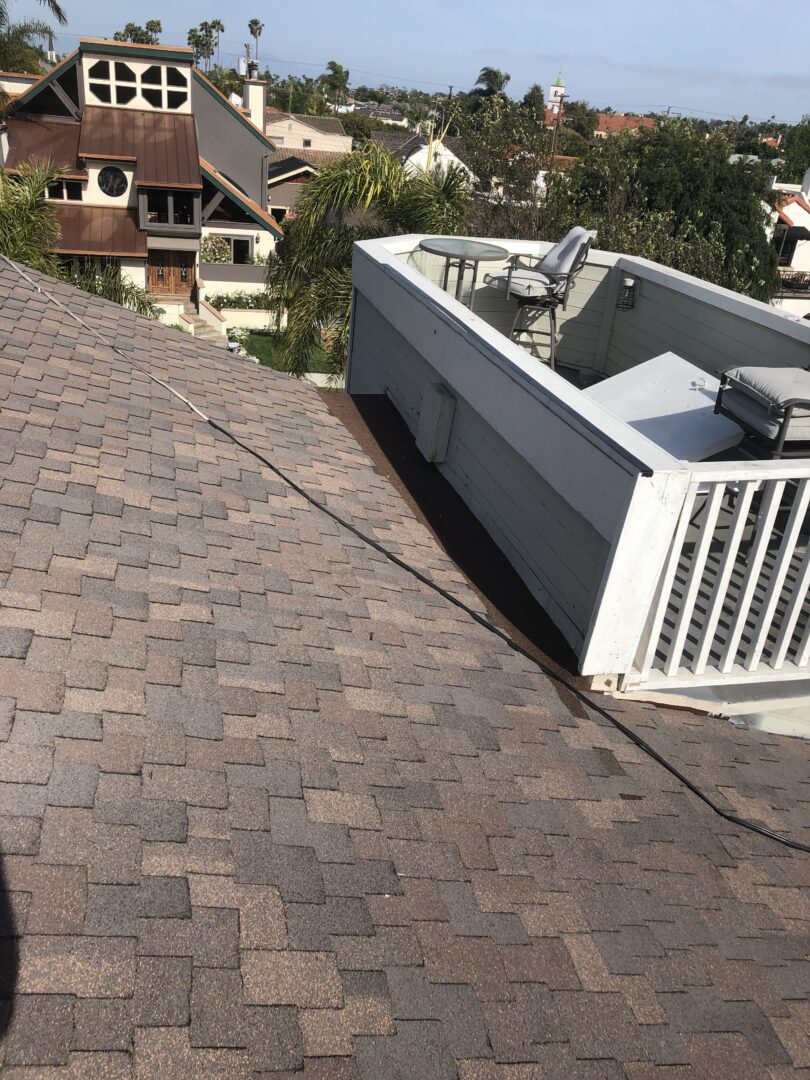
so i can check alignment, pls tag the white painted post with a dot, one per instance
(633, 573)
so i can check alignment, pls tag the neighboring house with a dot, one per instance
(156, 161)
(287, 173)
(616, 123)
(296, 131)
(384, 113)
(414, 151)
(790, 220)
(15, 83)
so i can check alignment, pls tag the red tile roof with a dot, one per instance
(613, 123)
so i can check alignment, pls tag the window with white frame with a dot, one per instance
(70, 190)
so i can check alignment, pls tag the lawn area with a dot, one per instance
(266, 347)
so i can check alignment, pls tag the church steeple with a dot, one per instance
(556, 93)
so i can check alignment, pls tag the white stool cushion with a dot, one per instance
(525, 283)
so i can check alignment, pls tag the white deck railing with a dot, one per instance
(658, 570)
(732, 602)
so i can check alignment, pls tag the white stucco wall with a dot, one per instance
(135, 271)
(94, 196)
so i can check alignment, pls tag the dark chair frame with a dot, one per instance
(556, 297)
(775, 447)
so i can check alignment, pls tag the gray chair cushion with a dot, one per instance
(562, 258)
(525, 283)
(776, 385)
(758, 397)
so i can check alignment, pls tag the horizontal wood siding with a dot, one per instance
(665, 320)
(560, 556)
(578, 326)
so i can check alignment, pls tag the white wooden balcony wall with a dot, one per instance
(654, 569)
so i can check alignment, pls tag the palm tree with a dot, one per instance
(255, 28)
(364, 194)
(53, 6)
(21, 45)
(29, 229)
(218, 28)
(491, 81)
(336, 80)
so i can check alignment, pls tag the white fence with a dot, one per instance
(732, 604)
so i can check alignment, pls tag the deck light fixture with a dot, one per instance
(628, 291)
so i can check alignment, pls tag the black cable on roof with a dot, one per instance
(482, 620)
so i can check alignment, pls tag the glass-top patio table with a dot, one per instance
(460, 252)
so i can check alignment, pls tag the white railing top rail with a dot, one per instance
(733, 472)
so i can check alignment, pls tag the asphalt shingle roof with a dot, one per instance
(268, 805)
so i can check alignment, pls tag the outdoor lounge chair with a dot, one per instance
(772, 405)
(541, 286)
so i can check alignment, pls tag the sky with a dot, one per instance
(705, 59)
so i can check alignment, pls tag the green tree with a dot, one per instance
(140, 35)
(22, 46)
(534, 99)
(255, 27)
(201, 40)
(363, 194)
(674, 178)
(490, 82)
(29, 229)
(218, 29)
(335, 81)
(796, 153)
(581, 117)
(226, 80)
(362, 127)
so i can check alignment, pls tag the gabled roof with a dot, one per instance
(259, 215)
(59, 69)
(164, 144)
(284, 162)
(328, 125)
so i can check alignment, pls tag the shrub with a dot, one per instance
(244, 301)
(215, 249)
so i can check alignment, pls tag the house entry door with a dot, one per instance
(171, 272)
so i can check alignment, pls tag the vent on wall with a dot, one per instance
(435, 422)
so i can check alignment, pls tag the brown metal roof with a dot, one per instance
(163, 144)
(99, 230)
(43, 142)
